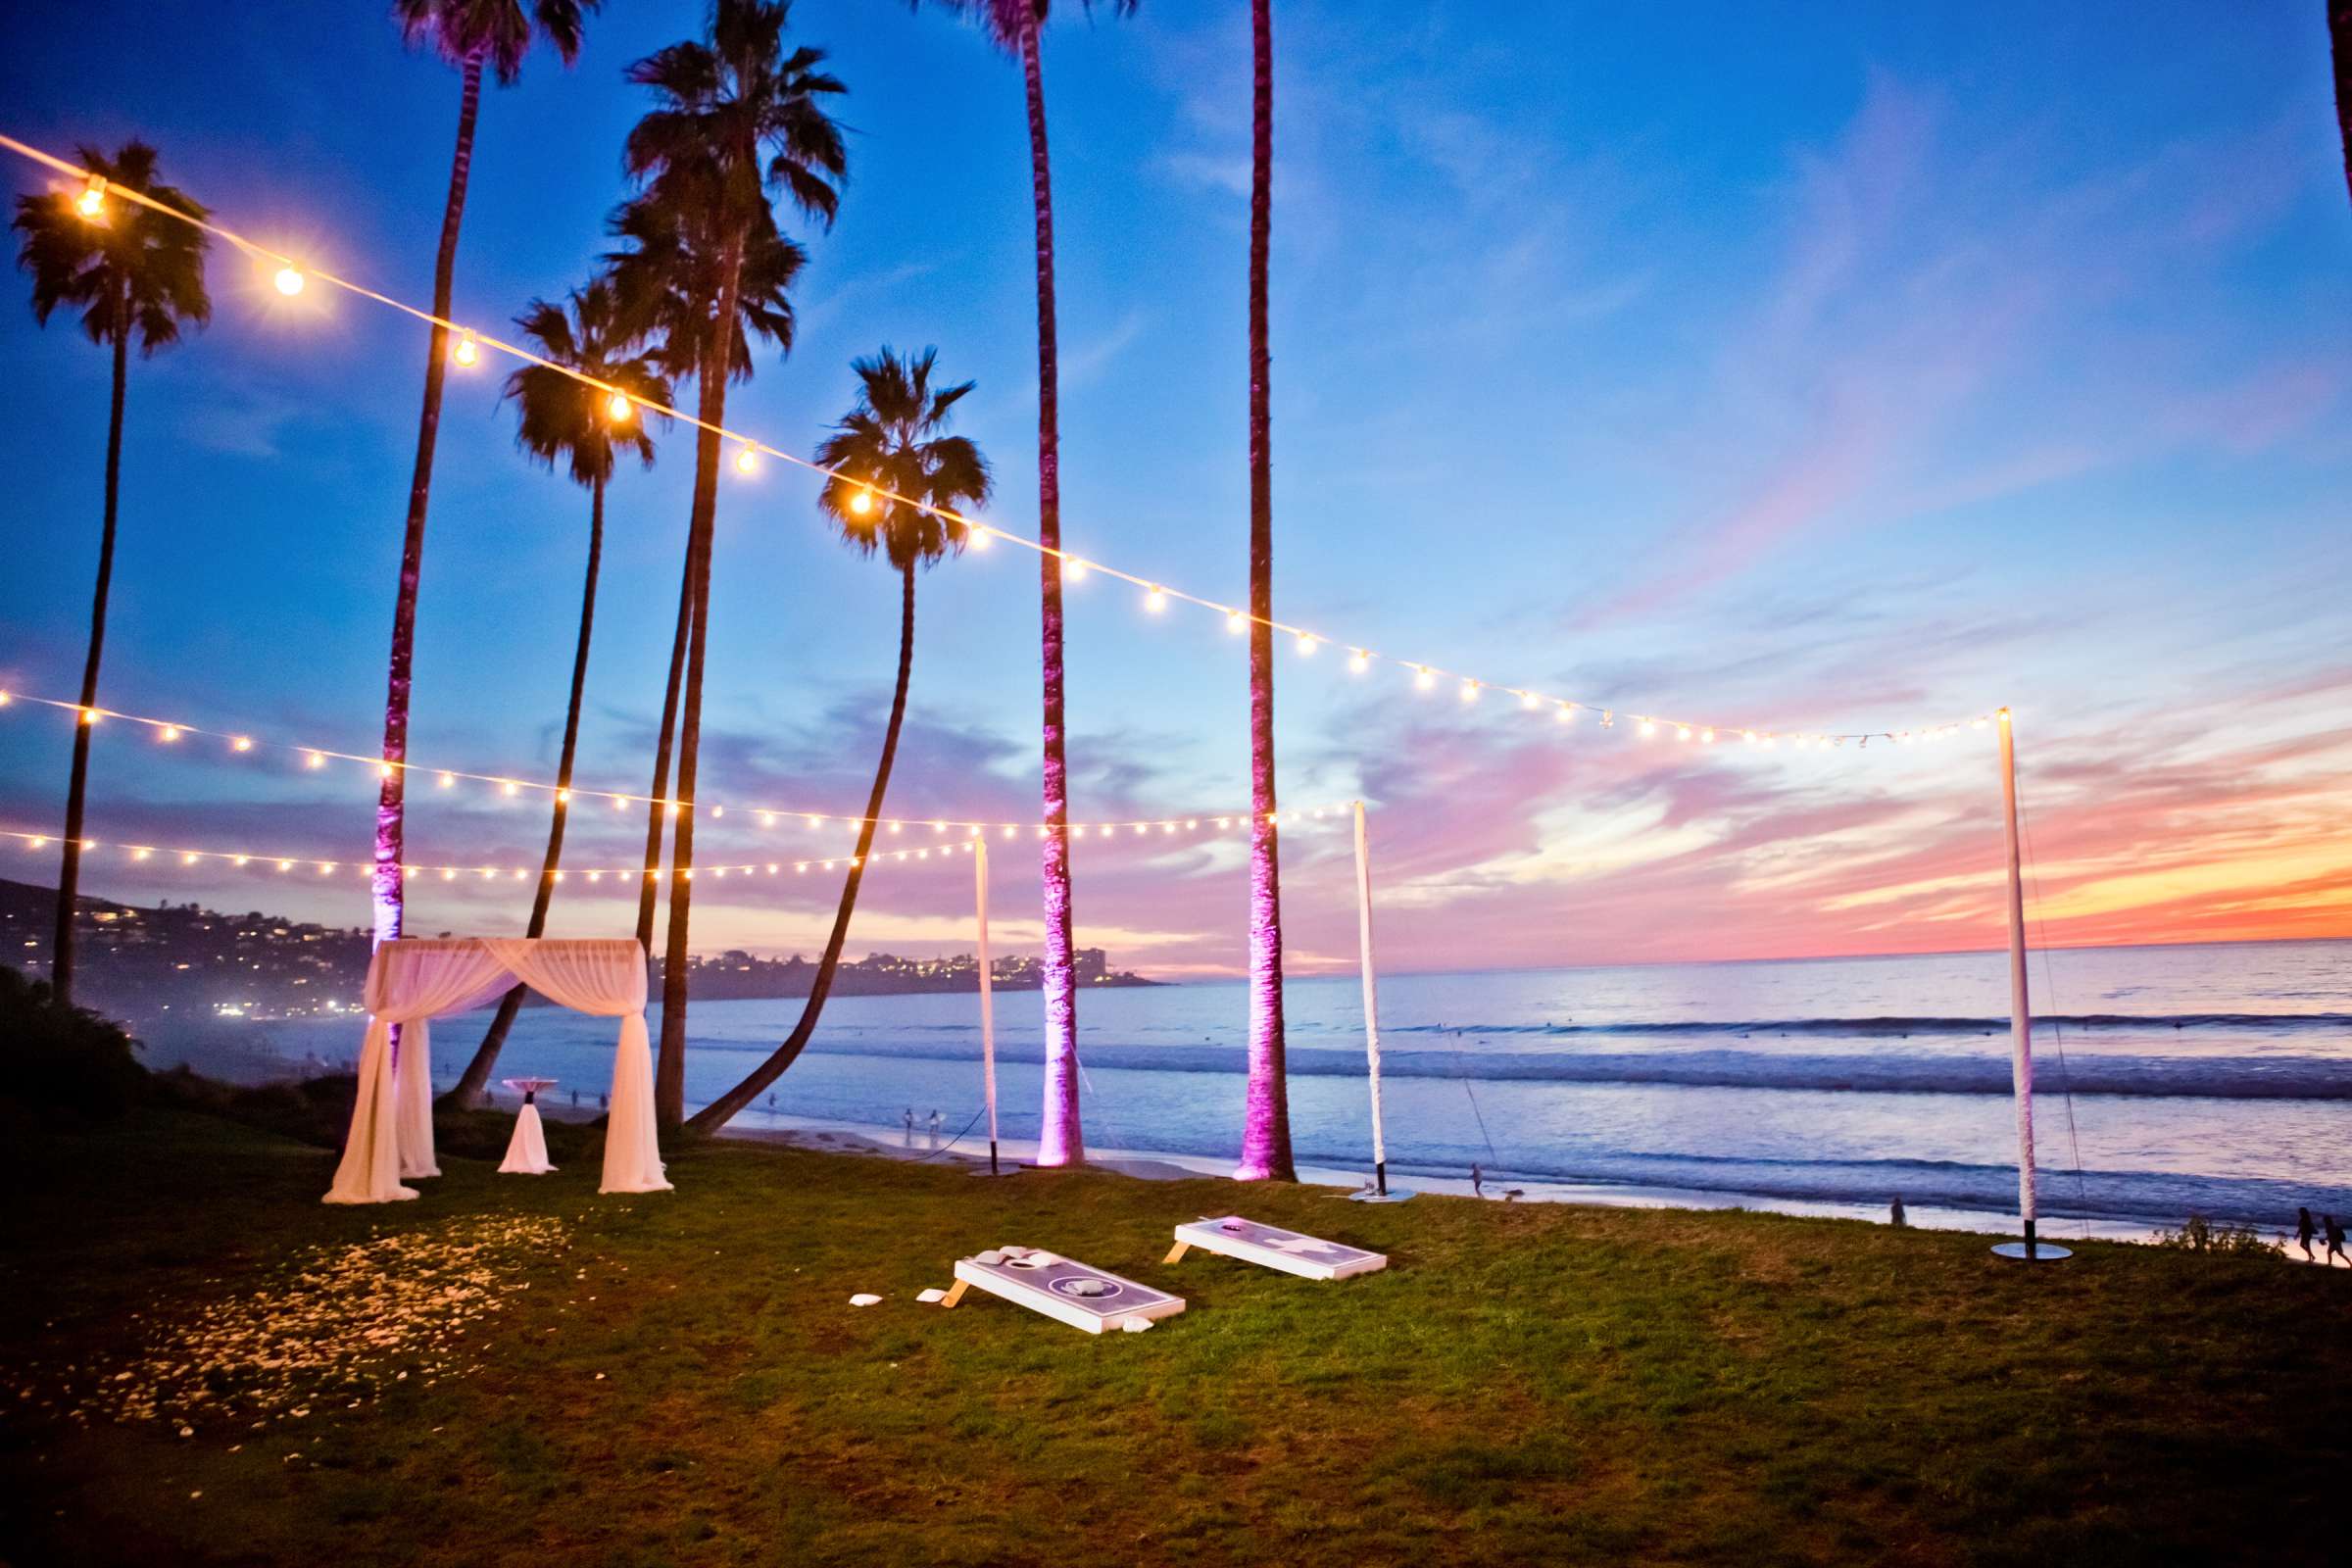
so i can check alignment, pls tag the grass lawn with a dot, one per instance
(680, 1378)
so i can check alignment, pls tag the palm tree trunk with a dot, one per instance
(722, 1111)
(1061, 1139)
(68, 871)
(669, 1070)
(477, 1071)
(2340, 41)
(1266, 1120)
(390, 822)
(650, 894)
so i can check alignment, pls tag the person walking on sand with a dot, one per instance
(1478, 1180)
(934, 1129)
(2305, 1230)
(2336, 1241)
(1895, 1215)
(909, 1126)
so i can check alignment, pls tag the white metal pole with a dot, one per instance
(988, 1000)
(1363, 931)
(2020, 1018)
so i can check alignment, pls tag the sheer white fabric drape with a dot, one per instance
(411, 982)
(606, 979)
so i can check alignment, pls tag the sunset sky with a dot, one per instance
(1840, 367)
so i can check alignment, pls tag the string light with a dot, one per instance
(468, 351)
(619, 407)
(91, 202)
(1307, 645)
(290, 279)
(1236, 621)
(1157, 600)
(861, 501)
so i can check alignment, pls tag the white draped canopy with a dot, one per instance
(409, 983)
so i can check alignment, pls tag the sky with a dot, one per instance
(1840, 367)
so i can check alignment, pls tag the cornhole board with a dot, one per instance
(1270, 1246)
(1061, 1288)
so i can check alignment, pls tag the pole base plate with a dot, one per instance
(2042, 1253)
(1395, 1194)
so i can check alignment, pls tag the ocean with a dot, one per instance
(2213, 1079)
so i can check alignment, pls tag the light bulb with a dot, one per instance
(171, 732)
(1425, 677)
(747, 461)
(92, 200)
(1307, 645)
(619, 407)
(1236, 621)
(448, 781)
(1682, 732)
(1567, 712)
(313, 761)
(1156, 600)
(1073, 568)
(979, 536)
(508, 787)
(468, 351)
(288, 280)
(241, 744)
(1469, 691)
(861, 501)
(1648, 728)
(1358, 661)
(1706, 737)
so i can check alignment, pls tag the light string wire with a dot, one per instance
(266, 861)
(1074, 566)
(170, 731)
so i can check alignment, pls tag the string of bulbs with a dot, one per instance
(291, 275)
(169, 732)
(283, 862)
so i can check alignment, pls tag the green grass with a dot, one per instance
(1525, 1384)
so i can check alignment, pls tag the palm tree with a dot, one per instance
(1013, 25)
(895, 472)
(1266, 1119)
(468, 34)
(668, 280)
(736, 122)
(131, 272)
(2339, 43)
(588, 426)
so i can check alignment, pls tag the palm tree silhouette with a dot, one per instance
(736, 122)
(131, 272)
(588, 426)
(469, 35)
(896, 471)
(1266, 1116)
(1013, 26)
(666, 281)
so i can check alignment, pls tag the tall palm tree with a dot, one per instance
(588, 426)
(469, 35)
(131, 273)
(896, 470)
(737, 123)
(1013, 26)
(1266, 1118)
(667, 278)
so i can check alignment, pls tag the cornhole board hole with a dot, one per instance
(1270, 1246)
(1061, 1288)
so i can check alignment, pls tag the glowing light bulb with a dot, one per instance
(939, 828)
(4, 702)
(171, 732)
(861, 501)
(1682, 732)
(747, 461)
(446, 781)
(1307, 645)
(92, 200)
(1424, 678)
(89, 715)
(1648, 728)
(285, 866)
(139, 854)
(508, 787)
(1236, 621)
(383, 771)
(289, 280)
(1469, 691)
(1706, 737)
(188, 858)
(36, 840)
(979, 536)
(314, 759)
(1073, 569)
(468, 351)
(238, 859)
(1358, 661)
(1157, 600)
(620, 803)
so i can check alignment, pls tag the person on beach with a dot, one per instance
(909, 1126)
(935, 1129)
(2336, 1241)
(1895, 1215)
(1478, 1180)
(2305, 1230)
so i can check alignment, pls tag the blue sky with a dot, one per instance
(1852, 367)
